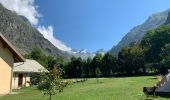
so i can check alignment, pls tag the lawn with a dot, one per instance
(129, 88)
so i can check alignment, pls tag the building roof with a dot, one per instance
(17, 56)
(29, 66)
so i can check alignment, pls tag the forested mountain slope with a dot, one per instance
(137, 33)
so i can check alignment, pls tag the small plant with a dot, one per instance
(51, 82)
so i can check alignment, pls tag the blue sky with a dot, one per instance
(96, 24)
(85, 24)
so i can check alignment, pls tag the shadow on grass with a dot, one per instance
(157, 97)
(100, 82)
(163, 94)
(153, 78)
(150, 97)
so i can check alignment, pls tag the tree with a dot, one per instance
(131, 60)
(165, 54)
(74, 67)
(50, 82)
(36, 54)
(98, 73)
(87, 67)
(122, 60)
(46, 61)
(137, 57)
(154, 41)
(96, 63)
(108, 64)
(165, 62)
(53, 60)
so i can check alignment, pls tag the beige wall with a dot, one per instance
(6, 63)
(26, 79)
(6, 55)
(15, 81)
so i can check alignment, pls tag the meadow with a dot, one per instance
(125, 88)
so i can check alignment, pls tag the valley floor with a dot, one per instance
(129, 88)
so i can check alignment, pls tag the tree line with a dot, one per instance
(150, 55)
(130, 61)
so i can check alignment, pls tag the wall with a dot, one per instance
(6, 63)
(15, 81)
(26, 78)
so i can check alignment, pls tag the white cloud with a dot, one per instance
(23, 7)
(48, 34)
(28, 9)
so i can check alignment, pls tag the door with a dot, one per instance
(20, 80)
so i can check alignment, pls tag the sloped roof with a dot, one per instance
(17, 56)
(29, 66)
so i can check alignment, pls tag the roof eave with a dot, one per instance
(17, 56)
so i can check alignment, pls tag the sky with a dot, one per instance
(85, 24)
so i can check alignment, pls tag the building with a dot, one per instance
(8, 56)
(22, 72)
(163, 86)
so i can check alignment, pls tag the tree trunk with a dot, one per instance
(50, 98)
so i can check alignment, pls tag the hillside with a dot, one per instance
(137, 33)
(23, 36)
(168, 19)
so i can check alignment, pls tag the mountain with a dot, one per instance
(168, 19)
(84, 54)
(101, 51)
(23, 36)
(137, 33)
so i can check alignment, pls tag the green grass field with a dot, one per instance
(108, 89)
